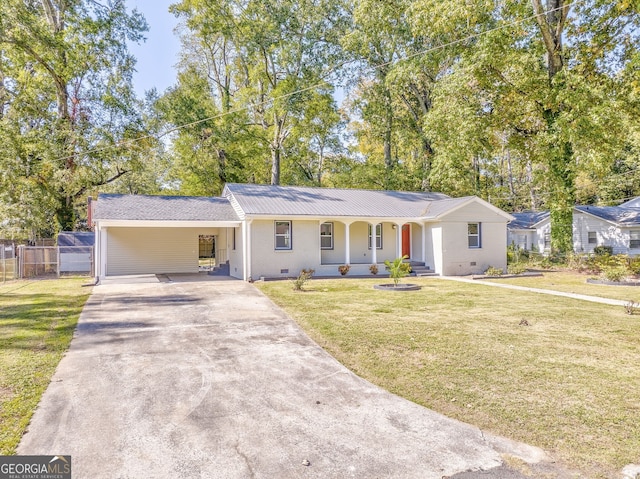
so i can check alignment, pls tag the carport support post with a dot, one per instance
(246, 246)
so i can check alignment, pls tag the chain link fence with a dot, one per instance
(8, 263)
(37, 261)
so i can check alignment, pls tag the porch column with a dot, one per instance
(374, 243)
(398, 240)
(347, 241)
(424, 243)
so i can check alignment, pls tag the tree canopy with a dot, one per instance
(528, 104)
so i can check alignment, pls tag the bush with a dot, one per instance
(304, 276)
(615, 273)
(491, 271)
(516, 268)
(602, 250)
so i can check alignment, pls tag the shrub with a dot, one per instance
(615, 273)
(304, 276)
(634, 265)
(516, 268)
(491, 271)
(398, 269)
(373, 268)
(344, 269)
(602, 250)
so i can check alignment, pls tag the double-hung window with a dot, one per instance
(473, 235)
(378, 236)
(592, 237)
(283, 235)
(326, 236)
(634, 239)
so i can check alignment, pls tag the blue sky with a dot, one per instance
(157, 56)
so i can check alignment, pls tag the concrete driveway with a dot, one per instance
(183, 377)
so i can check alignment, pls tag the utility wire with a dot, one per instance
(125, 143)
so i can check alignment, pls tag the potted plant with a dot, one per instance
(344, 269)
(374, 269)
(398, 269)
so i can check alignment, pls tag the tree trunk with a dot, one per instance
(551, 21)
(275, 165)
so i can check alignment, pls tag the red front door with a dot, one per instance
(406, 240)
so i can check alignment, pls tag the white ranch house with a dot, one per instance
(275, 231)
(614, 226)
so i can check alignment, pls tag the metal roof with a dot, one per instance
(527, 219)
(167, 208)
(330, 202)
(621, 215)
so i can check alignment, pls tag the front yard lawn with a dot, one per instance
(571, 282)
(554, 372)
(37, 320)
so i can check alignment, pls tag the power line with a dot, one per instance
(125, 143)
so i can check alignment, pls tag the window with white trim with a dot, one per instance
(378, 236)
(592, 237)
(473, 235)
(326, 236)
(634, 239)
(283, 235)
(547, 241)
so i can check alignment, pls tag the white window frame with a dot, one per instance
(288, 236)
(547, 241)
(592, 237)
(324, 235)
(378, 235)
(477, 236)
(634, 236)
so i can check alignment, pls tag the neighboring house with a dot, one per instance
(530, 230)
(614, 226)
(275, 231)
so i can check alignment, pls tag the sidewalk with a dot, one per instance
(583, 297)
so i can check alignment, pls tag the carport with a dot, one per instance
(159, 234)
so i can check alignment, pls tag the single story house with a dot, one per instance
(275, 231)
(614, 226)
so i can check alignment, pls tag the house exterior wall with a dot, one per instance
(457, 257)
(234, 254)
(337, 254)
(152, 250)
(607, 234)
(416, 242)
(434, 254)
(523, 239)
(268, 262)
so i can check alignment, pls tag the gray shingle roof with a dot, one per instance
(527, 219)
(615, 214)
(159, 208)
(331, 202)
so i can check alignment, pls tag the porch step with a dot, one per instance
(420, 269)
(220, 270)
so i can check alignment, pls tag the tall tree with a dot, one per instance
(67, 105)
(264, 58)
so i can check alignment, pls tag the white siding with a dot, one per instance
(152, 250)
(235, 256)
(607, 234)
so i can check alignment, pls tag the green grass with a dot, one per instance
(568, 382)
(572, 282)
(37, 320)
